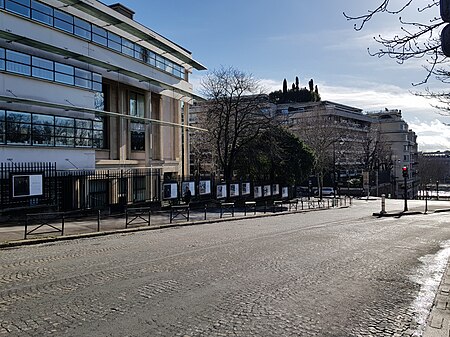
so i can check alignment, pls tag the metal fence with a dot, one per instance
(39, 186)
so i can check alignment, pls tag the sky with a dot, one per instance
(273, 40)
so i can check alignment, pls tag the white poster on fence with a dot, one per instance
(257, 192)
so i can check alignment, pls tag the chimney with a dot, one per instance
(122, 10)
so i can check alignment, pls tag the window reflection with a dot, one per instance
(23, 128)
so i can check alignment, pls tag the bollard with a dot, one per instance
(383, 204)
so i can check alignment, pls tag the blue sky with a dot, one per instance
(309, 39)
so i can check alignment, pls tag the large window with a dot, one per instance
(2, 59)
(18, 63)
(64, 131)
(99, 35)
(82, 28)
(43, 130)
(114, 42)
(42, 68)
(64, 73)
(18, 128)
(42, 13)
(21, 7)
(2, 127)
(25, 64)
(24, 128)
(137, 109)
(63, 21)
(68, 23)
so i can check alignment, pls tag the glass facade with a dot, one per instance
(24, 64)
(32, 129)
(137, 109)
(68, 23)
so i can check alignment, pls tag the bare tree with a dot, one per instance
(203, 154)
(375, 151)
(431, 169)
(418, 40)
(320, 132)
(235, 113)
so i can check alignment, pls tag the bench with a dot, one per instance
(226, 207)
(250, 205)
(293, 203)
(277, 205)
(137, 216)
(179, 210)
(38, 220)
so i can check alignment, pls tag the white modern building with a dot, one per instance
(84, 85)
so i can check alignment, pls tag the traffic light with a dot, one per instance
(405, 171)
(445, 33)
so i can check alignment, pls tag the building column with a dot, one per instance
(123, 126)
(148, 129)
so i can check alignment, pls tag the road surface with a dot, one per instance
(337, 272)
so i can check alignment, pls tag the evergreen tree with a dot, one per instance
(297, 82)
(284, 86)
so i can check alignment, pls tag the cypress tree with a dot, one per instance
(284, 86)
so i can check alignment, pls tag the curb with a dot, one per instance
(400, 214)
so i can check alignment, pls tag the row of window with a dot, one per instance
(48, 15)
(24, 128)
(28, 65)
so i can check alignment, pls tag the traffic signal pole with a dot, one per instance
(405, 193)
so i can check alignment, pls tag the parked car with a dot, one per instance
(326, 191)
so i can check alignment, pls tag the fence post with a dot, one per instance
(149, 212)
(26, 228)
(62, 227)
(98, 220)
(206, 205)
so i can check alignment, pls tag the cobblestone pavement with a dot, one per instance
(339, 272)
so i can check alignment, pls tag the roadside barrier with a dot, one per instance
(55, 223)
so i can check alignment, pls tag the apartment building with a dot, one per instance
(346, 128)
(404, 150)
(85, 86)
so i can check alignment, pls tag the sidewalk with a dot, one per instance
(14, 235)
(438, 323)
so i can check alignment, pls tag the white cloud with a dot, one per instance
(431, 136)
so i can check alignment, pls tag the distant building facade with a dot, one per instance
(404, 150)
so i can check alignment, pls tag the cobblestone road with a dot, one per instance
(338, 272)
